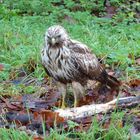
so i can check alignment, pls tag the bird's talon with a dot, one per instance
(75, 104)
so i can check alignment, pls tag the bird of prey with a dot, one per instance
(70, 61)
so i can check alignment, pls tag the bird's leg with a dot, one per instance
(62, 89)
(78, 91)
(50, 83)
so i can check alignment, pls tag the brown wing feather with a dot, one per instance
(86, 61)
(89, 65)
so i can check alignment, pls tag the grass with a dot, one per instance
(12, 134)
(22, 37)
(96, 132)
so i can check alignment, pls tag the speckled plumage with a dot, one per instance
(68, 60)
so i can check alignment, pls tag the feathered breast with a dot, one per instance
(73, 62)
(58, 64)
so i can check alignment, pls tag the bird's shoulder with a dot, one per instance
(78, 47)
(86, 60)
(81, 50)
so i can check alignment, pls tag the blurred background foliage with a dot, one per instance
(128, 9)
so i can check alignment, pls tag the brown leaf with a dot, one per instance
(106, 124)
(51, 117)
(134, 83)
(36, 115)
(52, 95)
(17, 98)
(38, 138)
(135, 86)
(84, 124)
(10, 106)
(91, 97)
(83, 127)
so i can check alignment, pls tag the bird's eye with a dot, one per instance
(59, 36)
(48, 37)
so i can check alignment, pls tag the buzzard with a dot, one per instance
(70, 61)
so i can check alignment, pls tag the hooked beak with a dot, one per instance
(53, 41)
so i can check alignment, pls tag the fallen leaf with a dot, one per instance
(90, 97)
(9, 105)
(19, 118)
(106, 124)
(37, 138)
(134, 83)
(134, 86)
(51, 117)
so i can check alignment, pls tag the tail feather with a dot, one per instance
(108, 80)
(112, 82)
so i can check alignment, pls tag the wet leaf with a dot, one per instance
(106, 124)
(135, 86)
(51, 117)
(37, 138)
(134, 83)
(9, 105)
(19, 118)
(89, 98)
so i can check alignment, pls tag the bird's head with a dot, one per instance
(56, 36)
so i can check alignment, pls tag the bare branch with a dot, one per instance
(89, 110)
